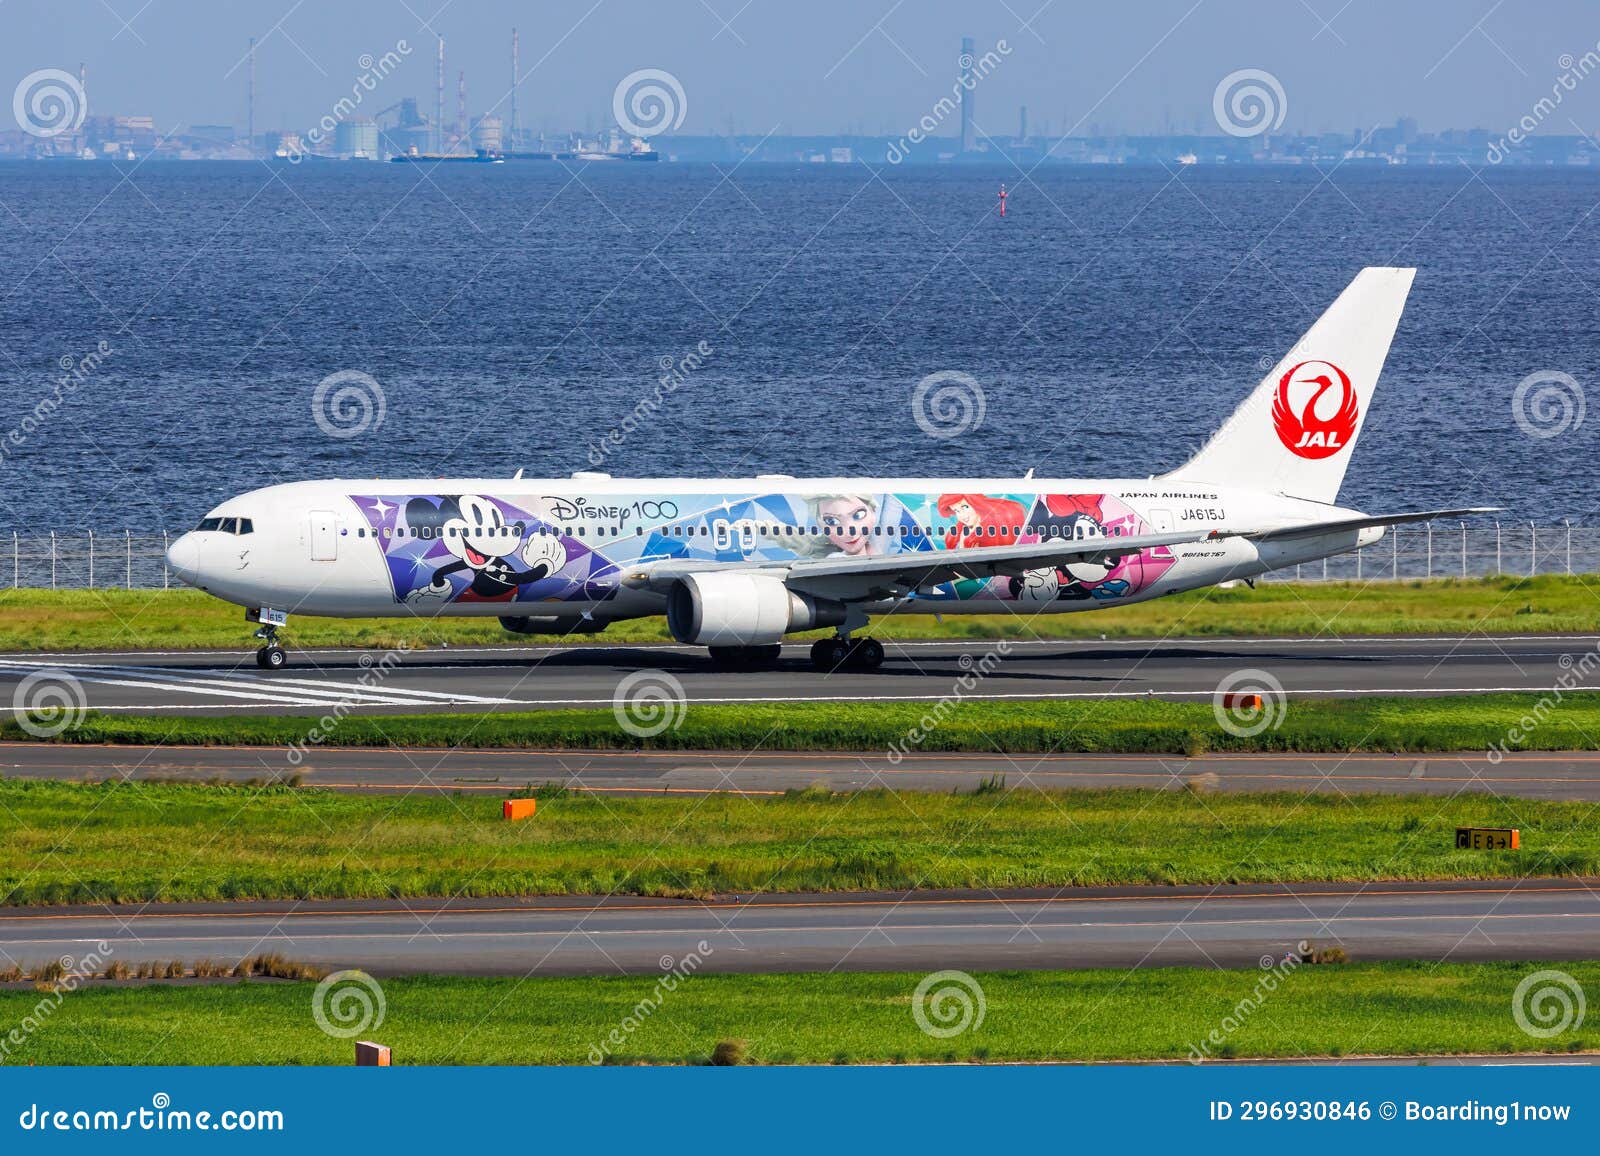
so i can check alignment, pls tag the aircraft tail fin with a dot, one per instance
(1295, 433)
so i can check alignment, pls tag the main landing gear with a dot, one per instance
(840, 653)
(745, 657)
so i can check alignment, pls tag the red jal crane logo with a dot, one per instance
(1306, 433)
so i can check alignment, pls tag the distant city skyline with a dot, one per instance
(831, 68)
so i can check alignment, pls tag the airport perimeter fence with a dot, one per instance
(139, 561)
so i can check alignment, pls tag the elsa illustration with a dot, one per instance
(844, 523)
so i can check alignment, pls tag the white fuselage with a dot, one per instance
(561, 549)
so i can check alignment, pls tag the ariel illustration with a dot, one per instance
(981, 520)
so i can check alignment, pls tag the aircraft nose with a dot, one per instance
(183, 558)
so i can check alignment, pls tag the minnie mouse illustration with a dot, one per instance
(486, 549)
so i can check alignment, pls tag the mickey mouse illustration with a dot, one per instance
(1072, 516)
(475, 531)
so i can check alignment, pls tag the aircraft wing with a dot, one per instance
(1311, 529)
(881, 576)
(889, 575)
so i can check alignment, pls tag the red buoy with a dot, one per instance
(1003, 196)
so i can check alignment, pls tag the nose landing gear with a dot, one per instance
(270, 656)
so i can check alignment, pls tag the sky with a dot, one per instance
(824, 66)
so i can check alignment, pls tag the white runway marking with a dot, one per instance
(294, 692)
(84, 674)
(904, 644)
(1311, 692)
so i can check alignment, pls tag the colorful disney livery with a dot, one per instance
(736, 565)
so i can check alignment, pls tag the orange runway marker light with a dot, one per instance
(370, 1055)
(515, 809)
(1241, 702)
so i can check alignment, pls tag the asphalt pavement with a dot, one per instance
(1127, 927)
(479, 679)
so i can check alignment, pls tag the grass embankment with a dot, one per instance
(132, 619)
(1460, 723)
(1390, 1008)
(131, 842)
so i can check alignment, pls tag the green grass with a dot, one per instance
(1458, 723)
(110, 619)
(1392, 1008)
(126, 842)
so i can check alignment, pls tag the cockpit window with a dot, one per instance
(227, 525)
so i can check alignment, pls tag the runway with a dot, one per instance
(1239, 926)
(1559, 775)
(478, 679)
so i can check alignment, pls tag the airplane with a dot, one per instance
(735, 565)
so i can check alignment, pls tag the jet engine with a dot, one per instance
(742, 609)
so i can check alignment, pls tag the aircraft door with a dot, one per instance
(324, 536)
(1162, 520)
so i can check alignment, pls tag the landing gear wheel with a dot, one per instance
(866, 654)
(745, 657)
(271, 657)
(829, 654)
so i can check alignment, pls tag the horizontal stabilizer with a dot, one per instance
(1311, 529)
